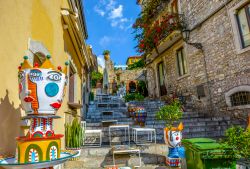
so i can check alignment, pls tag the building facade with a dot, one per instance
(36, 29)
(207, 62)
(133, 59)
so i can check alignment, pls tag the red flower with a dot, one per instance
(142, 45)
(158, 29)
(156, 40)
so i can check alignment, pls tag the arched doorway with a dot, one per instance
(132, 87)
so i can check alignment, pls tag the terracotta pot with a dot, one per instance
(107, 57)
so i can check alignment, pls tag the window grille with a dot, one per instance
(240, 98)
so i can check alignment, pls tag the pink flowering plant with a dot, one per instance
(149, 36)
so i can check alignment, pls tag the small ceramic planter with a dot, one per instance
(173, 138)
(131, 110)
(140, 116)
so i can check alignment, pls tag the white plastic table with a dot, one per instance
(150, 131)
(98, 133)
(120, 126)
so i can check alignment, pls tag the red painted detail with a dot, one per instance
(23, 138)
(177, 138)
(19, 67)
(20, 87)
(44, 124)
(34, 123)
(50, 132)
(28, 99)
(36, 65)
(37, 132)
(59, 68)
(56, 105)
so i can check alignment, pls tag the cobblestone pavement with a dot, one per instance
(152, 157)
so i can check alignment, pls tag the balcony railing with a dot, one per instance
(152, 8)
(150, 36)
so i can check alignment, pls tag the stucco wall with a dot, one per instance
(39, 20)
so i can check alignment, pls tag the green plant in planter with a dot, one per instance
(74, 135)
(239, 139)
(170, 113)
(106, 52)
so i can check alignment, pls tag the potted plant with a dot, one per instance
(172, 135)
(238, 138)
(106, 54)
(74, 136)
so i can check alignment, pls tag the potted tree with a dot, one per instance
(172, 135)
(106, 54)
(74, 137)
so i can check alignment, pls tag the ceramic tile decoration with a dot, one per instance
(41, 90)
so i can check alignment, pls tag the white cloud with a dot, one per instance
(119, 22)
(99, 11)
(116, 12)
(113, 12)
(110, 5)
(104, 41)
(101, 61)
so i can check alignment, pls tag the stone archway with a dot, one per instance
(131, 87)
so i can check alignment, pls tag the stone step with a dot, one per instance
(96, 158)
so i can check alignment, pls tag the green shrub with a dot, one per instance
(170, 113)
(74, 134)
(91, 96)
(137, 65)
(133, 96)
(95, 77)
(239, 139)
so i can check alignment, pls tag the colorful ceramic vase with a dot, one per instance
(140, 116)
(131, 110)
(41, 89)
(173, 138)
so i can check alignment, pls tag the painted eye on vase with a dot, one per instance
(54, 77)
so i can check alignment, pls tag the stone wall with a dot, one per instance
(128, 76)
(111, 76)
(219, 67)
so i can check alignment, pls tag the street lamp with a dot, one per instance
(186, 36)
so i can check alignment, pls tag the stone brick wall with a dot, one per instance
(127, 76)
(218, 67)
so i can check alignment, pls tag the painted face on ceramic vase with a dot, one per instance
(174, 138)
(41, 90)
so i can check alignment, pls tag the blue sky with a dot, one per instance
(109, 25)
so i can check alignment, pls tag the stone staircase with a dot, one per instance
(195, 124)
(152, 155)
